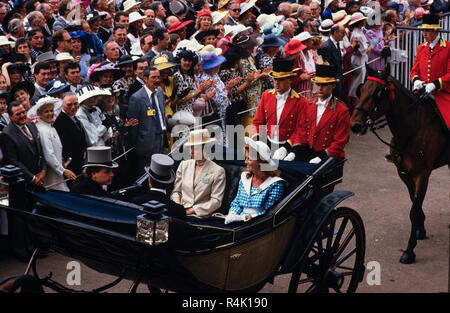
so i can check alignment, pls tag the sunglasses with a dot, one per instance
(236, 10)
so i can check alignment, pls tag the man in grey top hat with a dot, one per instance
(160, 179)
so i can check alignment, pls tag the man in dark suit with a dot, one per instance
(71, 133)
(331, 53)
(160, 45)
(21, 145)
(147, 105)
(120, 37)
(161, 178)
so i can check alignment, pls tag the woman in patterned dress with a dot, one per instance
(270, 49)
(260, 185)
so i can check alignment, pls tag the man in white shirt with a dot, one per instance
(42, 76)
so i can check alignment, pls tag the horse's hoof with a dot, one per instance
(421, 234)
(408, 258)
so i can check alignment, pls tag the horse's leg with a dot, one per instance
(417, 218)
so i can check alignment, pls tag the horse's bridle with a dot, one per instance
(373, 125)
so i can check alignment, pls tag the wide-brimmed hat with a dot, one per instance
(161, 63)
(272, 41)
(212, 60)
(94, 15)
(109, 67)
(268, 19)
(303, 36)
(187, 54)
(129, 4)
(218, 16)
(269, 29)
(21, 67)
(208, 49)
(356, 17)
(211, 32)
(245, 6)
(32, 112)
(64, 56)
(294, 7)
(222, 3)
(325, 74)
(56, 86)
(199, 137)
(425, 3)
(176, 26)
(327, 3)
(340, 18)
(366, 10)
(239, 28)
(419, 12)
(191, 45)
(262, 150)
(228, 29)
(25, 85)
(89, 91)
(326, 26)
(4, 41)
(282, 68)
(294, 46)
(100, 156)
(161, 168)
(124, 60)
(135, 16)
(430, 21)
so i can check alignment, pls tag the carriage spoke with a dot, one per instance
(344, 244)
(337, 290)
(340, 233)
(331, 234)
(306, 280)
(344, 268)
(312, 288)
(345, 257)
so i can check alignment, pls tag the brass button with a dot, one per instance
(315, 136)
(331, 126)
(325, 139)
(328, 132)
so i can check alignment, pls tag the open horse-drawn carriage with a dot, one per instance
(303, 234)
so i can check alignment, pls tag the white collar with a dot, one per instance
(324, 102)
(247, 182)
(434, 42)
(334, 41)
(283, 95)
(39, 87)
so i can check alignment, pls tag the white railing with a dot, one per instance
(409, 38)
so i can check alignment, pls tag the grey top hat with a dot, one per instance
(160, 168)
(46, 56)
(100, 156)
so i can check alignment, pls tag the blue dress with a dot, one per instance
(254, 201)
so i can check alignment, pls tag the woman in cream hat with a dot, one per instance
(260, 185)
(200, 183)
(305, 60)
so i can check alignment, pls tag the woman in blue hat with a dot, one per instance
(79, 51)
(271, 48)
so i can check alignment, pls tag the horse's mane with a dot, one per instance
(403, 89)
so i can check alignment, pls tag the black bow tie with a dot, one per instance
(91, 110)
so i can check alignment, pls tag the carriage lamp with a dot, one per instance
(152, 228)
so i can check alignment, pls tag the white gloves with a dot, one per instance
(234, 218)
(290, 157)
(430, 87)
(280, 153)
(316, 160)
(418, 84)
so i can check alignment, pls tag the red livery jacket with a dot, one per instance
(434, 67)
(290, 119)
(331, 134)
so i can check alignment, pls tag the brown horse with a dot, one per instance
(420, 140)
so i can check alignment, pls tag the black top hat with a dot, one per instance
(199, 37)
(430, 21)
(325, 74)
(282, 67)
(161, 168)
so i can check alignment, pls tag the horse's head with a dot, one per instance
(373, 98)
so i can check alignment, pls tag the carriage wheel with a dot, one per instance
(334, 261)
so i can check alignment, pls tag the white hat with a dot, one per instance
(263, 151)
(425, 3)
(356, 17)
(135, 16)
(191, 45)
(199, 137)
(245, 6)
(228, 30)
(265, 19)
(327, 3)
(208, 49)
(4, 41)
(64, 56)
(239, 28)
(90, 91)
(129, 4)
(326, 25)
(32, 112)
(218, 16)
(303, 36)
(366, 10)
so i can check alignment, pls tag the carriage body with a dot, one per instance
(200, 254)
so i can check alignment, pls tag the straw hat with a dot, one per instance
(245, 6)
(303, 36)
(282, 67)
(340, 18)
(239, 28)
(356, 17)
(208, 49)
(100, 156)
(4, 41)
(294, 7)
(268, 19)
(327, 3)
(89, 91)
(64, 56)
(129, 4)
(191, 45)
(326, 26)
(262, 150)
(161, 63)
(228, 30)
(199, 137)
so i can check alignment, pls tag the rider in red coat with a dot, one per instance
(280, 110)
(431, 68)
(327, 121)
